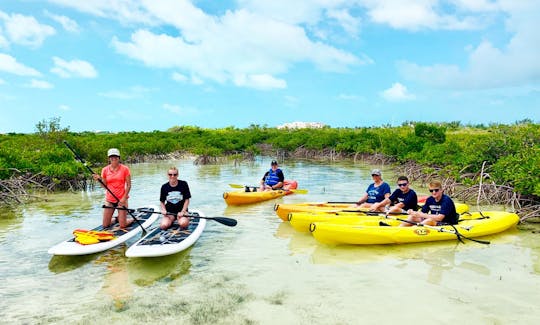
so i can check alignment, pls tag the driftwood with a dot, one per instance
(25, 186)
(486, 192)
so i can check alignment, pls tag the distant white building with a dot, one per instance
(301, 125)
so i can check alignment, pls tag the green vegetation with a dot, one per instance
(511, 152)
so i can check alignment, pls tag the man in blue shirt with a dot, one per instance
(273, 179)
(439, 209)
(401, 200)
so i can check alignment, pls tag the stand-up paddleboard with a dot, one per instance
(170, 241)
(71, 247)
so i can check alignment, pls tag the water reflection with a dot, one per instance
(115, 280)
(60, 264)
(9, 221)
(146, 271)
(261, 271)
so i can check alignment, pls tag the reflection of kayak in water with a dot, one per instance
(170, 241)
(71, 247)
(147, 271)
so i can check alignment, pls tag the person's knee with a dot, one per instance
(183, 222)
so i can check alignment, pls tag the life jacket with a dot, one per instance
(272, 178)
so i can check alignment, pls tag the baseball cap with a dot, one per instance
(113, 152)
(273, 162)
(376, 172)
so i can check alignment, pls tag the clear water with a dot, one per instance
(261, 271)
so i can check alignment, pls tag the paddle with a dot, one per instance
(299, 191)
(79, 158)
(226, 221)
(441, 229)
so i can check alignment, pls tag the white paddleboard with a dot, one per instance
(170, 241)
(71, 247)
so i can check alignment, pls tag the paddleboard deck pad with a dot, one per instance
(160, 242)
(71, 247)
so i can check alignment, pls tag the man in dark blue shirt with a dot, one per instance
(439, 209)
(401, 200)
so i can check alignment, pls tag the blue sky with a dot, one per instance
(143, 65)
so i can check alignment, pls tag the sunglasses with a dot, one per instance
(402, 184)
(173, 174)
(375, 175)
(435, 190)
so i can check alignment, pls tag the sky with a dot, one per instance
(144, 65)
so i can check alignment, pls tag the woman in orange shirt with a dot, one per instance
(117, 178)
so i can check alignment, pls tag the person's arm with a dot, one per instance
(162, 198)
(362, 199)
(103, 182)
(128, 188)
(184, 210)
(377, 205)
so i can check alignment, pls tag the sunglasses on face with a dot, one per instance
(402, 184)
(435, 190)
(173, 174)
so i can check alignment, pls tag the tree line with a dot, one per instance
(510, 154)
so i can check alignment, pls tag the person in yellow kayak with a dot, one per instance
(174, 198)
(117, 178)
(273, 179)
(439, 209)
(401, 200)
(376, 191)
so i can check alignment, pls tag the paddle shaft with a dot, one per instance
(79, 158)
(226, 221)
(294, 190)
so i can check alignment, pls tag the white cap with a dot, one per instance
(113, 152)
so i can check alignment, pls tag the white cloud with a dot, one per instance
(2, 82)
(40, 84)
(131, 93)
(221, 49)
(259, 81)
(349, 97)
(350, 24)
(178, 110)
(126, 11)
(514, 64)
(67, 23)
(64, 107)
(9, 64)
(397, 92)
(73, 68)
(421, 14)
(3, 40)
(176, 76)
(25, 30)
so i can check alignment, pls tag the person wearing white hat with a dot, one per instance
(375, 192)
(117, 178)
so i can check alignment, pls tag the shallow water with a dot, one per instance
(261, 271)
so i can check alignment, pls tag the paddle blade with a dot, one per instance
(226, 221)
(236, 186)
(299, 191)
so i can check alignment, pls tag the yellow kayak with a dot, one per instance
(252, 195)
(241, 197)
(478, 224)
(300, 221)
(283, 210)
